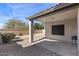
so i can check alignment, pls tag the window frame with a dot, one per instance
(58, 31)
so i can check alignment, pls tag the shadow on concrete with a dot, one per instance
(13, 49)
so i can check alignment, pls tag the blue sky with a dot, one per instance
(20, 10)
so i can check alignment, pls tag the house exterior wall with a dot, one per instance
(70, 29)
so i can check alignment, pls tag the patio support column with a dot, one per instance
(30, 31)
(78, 30)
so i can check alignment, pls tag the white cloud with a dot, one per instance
(1, 25)
(21, 10)
(4, 18)
(25, 9)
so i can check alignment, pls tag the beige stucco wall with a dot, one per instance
(70, 29)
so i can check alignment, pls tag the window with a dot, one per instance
(58, 30)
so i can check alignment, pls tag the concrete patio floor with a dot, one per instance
(13, 49)
(60, 47)
(43, 47)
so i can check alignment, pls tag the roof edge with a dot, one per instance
(49, 10)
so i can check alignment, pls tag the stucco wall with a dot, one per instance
(70, 29)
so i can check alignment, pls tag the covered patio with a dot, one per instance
(66, 15)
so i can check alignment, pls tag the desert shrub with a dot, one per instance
(7, 37)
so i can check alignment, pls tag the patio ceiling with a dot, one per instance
(61, 15)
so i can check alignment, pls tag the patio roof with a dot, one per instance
(50, 10)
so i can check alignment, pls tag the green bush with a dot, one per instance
(7, 37)
(38, 26)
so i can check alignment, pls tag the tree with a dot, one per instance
(15, 24)
(38, 26)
